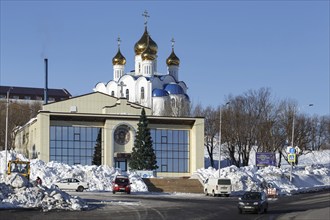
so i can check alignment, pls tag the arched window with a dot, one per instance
(142, 92)
(173, 102)
(127, 94)
(112, 93)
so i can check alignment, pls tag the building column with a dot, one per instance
(108, 144)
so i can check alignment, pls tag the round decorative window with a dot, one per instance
(122, 135)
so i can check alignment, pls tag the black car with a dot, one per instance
(253, 202)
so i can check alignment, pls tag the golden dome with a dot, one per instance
(148, 54)
(173, 59)
(142, 44)
(119, 59)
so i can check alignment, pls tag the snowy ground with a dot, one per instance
(16, 192)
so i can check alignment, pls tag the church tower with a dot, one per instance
(161, 92)
(145, 53)
(173, 63)
(118, 62)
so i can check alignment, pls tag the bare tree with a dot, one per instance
(254, 120)
(319, 136)
(19, 113)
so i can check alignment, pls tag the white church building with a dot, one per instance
(165, 94)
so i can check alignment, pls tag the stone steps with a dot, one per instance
(171, 185)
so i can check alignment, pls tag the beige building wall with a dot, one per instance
(106, 112)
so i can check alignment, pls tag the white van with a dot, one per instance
(217, 187)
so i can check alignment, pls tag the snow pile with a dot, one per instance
(312, 173)
(17, 192)
(100, 178)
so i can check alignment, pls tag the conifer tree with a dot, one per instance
(143, 155)
(97, 150)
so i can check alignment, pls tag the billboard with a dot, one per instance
(265, 159)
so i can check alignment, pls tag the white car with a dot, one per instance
(71, 184)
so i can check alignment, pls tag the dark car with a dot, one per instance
(121, 184)
(253, 202)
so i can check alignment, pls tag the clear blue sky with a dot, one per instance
(225, 47)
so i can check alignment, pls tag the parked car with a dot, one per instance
(71, 184)
(253, 202)
(121, 184)
(217, 187)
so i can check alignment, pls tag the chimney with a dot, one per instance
(46, 82)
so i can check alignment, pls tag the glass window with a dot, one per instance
(127, 94)
(73, 145)
(142, 92)
(173, 102)
(172, 150)
(164, 139)
(112, 93)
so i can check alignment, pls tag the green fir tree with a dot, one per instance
(97, 150)
(143, 155)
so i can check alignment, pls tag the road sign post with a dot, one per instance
(291, 160)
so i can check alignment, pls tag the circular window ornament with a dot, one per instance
(122, 135)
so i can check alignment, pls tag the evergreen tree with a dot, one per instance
(97, 150)
(143, 155)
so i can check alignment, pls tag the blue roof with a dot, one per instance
(174, 89)
(159, 93)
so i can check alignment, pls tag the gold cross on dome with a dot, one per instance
(173, 41)
(118, 41)
(146, 16)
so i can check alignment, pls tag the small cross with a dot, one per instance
(146, 16)
(173, 41)
(118, 40)
(121, 85)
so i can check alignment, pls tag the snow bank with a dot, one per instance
(304, 177)
(17, 192)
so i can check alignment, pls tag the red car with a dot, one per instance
(121, 184)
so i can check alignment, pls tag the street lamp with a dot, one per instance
(219, 166)
(6, 137)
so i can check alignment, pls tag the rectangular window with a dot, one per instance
(172, 150)
(164, 139)
(73, 145)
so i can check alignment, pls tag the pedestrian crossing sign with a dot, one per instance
(291, 158)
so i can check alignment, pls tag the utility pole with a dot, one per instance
(6, 137)
(220, 125)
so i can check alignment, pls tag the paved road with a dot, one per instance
(105, 205)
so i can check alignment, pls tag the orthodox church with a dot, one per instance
(164, 94)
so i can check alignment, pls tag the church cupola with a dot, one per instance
(173, 63)
(148, 53)
(145, 53)
(145, 42)
(118, 62)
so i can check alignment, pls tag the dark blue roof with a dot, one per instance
(174, 89)
(159, 93)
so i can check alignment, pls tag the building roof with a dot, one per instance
(21, 92)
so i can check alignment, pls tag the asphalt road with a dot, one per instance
(105, 205)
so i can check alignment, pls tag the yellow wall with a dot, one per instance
(110, 113)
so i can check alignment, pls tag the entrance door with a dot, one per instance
(121, 164)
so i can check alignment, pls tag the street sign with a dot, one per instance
(291, 158)
(292, 150)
